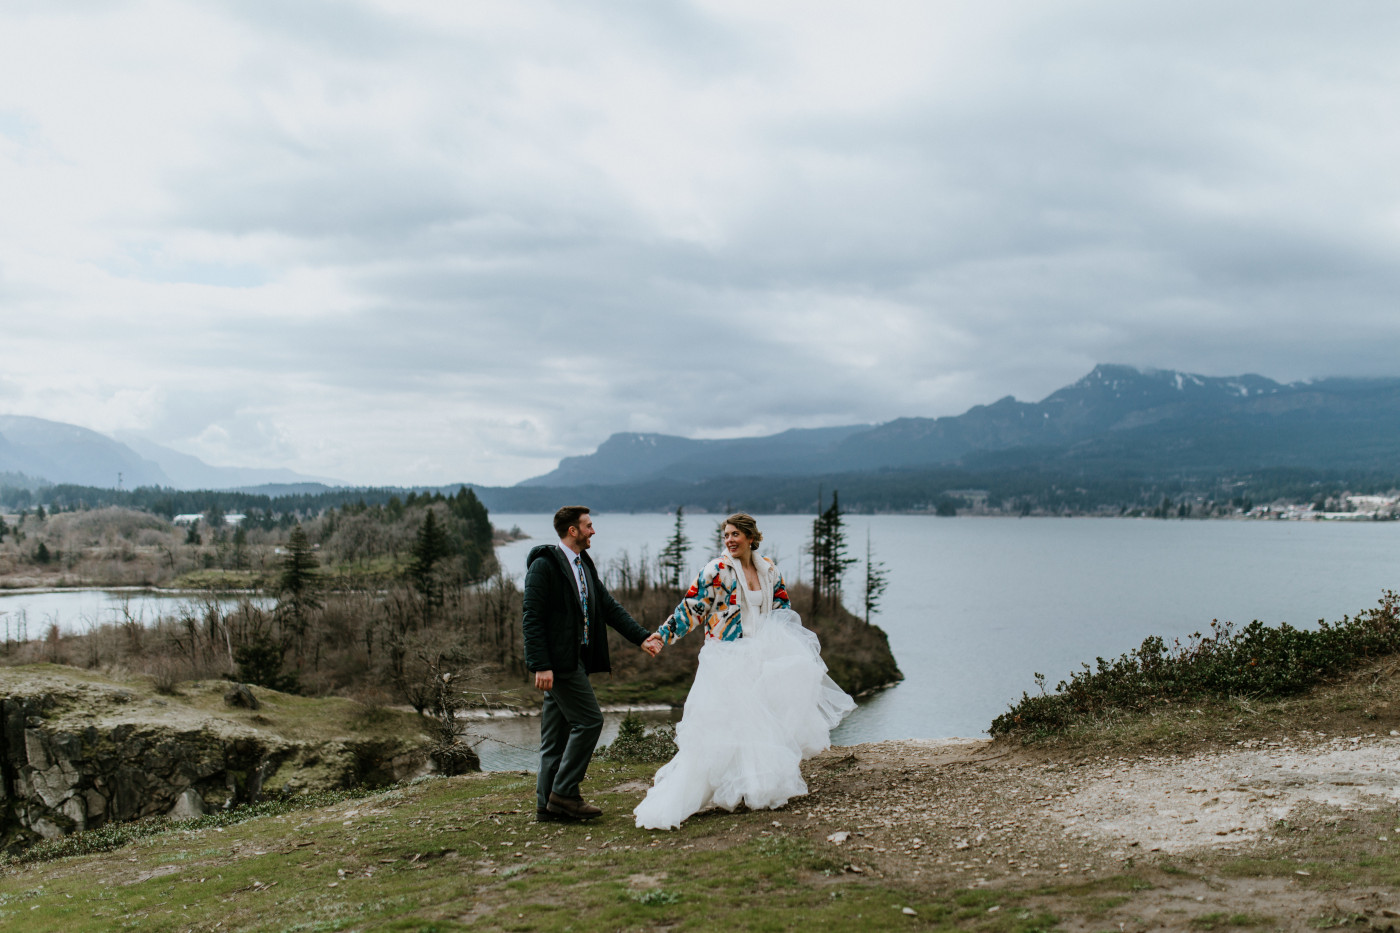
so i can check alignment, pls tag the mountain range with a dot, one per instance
(1116, 419)
(1118, 429)
(35, 451)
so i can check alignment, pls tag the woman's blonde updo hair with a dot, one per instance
(746, 524)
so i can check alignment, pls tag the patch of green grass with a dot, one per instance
(1335, 851)
(979, 898)
(1261, 867)
(1221, 920)
(657, 897)
(448, 854)
(795, 852)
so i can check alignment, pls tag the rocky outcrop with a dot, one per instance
(77, 755)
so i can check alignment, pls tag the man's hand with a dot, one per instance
(544, 680)
(652, 645)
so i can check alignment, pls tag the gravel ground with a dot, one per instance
(979, 815)
(1232, 798)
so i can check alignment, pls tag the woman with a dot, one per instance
(761, 701)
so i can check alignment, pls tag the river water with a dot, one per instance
(976, 606)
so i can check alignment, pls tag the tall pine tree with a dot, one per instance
(672, 557)
(876, 580)
(296, 585)
(430, 547)
(830, 557)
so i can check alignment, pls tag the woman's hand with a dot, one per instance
(653, 644)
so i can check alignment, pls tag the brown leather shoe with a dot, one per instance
(572, 807)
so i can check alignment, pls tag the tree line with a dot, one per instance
(168, 502)
(1021, 488)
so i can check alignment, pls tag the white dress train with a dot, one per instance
(759, 706)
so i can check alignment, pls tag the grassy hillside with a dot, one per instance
(957, 840)
(448, 854)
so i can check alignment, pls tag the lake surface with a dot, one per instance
(976, 606)
(29, 613)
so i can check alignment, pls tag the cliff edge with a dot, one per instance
(79, 749)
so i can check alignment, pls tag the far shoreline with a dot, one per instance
(1329, 518)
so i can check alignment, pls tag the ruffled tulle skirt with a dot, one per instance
(759, 706)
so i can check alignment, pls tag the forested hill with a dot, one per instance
(1116, 419)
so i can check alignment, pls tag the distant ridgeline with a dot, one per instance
(1118, 439)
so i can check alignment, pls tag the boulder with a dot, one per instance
(188, 805)
(241, 695)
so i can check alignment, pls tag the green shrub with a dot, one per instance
(656, 898)
(259, 662)
(1259, 661)
(635, 743)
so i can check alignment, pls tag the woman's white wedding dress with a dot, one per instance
(759, 706)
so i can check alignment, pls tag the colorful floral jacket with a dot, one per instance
(713, 603)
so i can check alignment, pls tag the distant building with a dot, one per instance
(189, 518)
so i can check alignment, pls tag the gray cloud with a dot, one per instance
(418, 242)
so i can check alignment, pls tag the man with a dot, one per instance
(566, 606)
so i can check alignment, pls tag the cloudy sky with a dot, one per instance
(425, 241)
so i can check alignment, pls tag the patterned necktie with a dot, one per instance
(583, 594)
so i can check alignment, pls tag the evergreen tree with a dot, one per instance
(672, 557)
(430, 547)
(838, 560)
(4, 529)
(876, 580)
(259, 661)
(240, 548)
(830, 559)
(470, 535)
(296, 585)
(192, 535)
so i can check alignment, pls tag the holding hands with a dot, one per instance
(544, 680)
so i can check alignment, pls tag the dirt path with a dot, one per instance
(994, 818)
